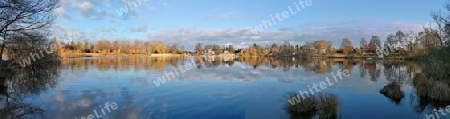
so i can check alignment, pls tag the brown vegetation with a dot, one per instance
(324, 105)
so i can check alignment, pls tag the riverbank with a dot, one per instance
(80, 55)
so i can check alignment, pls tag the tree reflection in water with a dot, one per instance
(429, 94)
(33, 80)
(26, 82)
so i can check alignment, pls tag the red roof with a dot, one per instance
(370, 48)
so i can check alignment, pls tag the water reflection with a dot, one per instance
(319, 66)
(124, 63)
(89, 82)
(26, 82)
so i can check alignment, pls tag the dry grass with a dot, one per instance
(305, 107)
(439, 91)
(433, 89)
(325, 106)
(328, 106)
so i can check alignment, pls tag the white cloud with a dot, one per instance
(334, 32)
(85, 6)
(92, 9)
(62, 13)
(76, 34)
(164, 3)
(142, 28)
(286, 29)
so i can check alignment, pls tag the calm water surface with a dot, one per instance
(223, 88)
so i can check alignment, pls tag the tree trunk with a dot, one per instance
(1, 50)
(3, 46)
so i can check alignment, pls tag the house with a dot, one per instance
(370, 48)
(209, 51)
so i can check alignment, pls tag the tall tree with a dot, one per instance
(400, 41)
(254, 49)
(159, 47)
(442, 26)
(391, 41)
(115, 46)
(86, 47)
(107, 46)
(123, 47)
(363, 43)
(216, 49)
(375, 40)
(347, 46)
(79, 47)
(230, 49)
(321, 45)
(175, 48)
(346, 43)
(137, 46)
(148, 47)
(97, 47)
(287, 47)
(199, 48)
(430, 40)
(274, 48)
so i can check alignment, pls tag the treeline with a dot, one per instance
(213, 49)
(288, 49)
(143, 47)
(127, 47)
(412, 44)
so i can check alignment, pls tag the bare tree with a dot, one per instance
(115, 46)
(401, 39)
(22, 17)
(175, 48)
(347, 46)
(148, 47)
(199, 48)
(230, 49)
(363, 43)
(346, 43)
(443, 25)
(391, 40)
(375, 40)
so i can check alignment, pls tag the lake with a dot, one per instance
(217, 88)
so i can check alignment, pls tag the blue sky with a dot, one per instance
(187, 22)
